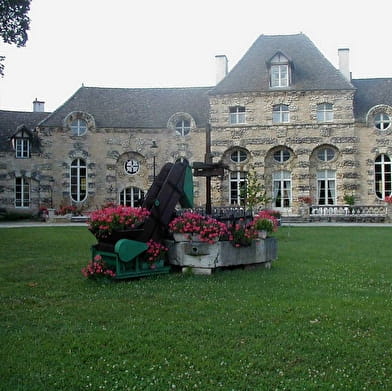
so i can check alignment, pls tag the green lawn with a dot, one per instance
(320, 319)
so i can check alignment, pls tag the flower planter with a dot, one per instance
(204, 257)
(262, 234)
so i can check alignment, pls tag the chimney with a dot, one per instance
(344, 63)
(221, 67)
(38, 106)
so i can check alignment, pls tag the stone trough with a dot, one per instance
(204, 258)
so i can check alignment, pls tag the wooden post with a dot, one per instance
(208, 159)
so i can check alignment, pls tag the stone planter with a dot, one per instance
(204, 258)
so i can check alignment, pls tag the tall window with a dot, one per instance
(280, 114)
(382, 170)
(237, 115)
(279, 71)
(237, 183)
(78, 180)
(325, 112)
(132, 196)
(79, 127)
(281, 182)
(22, 147)
(22, 193)
(183, 127)
(326, 187)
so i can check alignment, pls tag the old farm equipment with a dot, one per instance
(173, 185)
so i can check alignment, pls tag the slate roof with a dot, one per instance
(10, 121)
(312, 71)
(369, 93)
(135, 107)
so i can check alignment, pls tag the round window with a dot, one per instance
(238, 156)
(282, 155)
(79, 127)
(382, 121)
(325, 154)
(131, 167)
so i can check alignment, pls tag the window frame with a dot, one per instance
(384, 119)
(281, 153)
(134, 164)
(326, 181)
(325, 112)
(22, 147)
(282, 183)
(382, 176)
(78, 180)
(185, 127)
(280, 114)
(237, 115)
(24, 199)
(241, 156)
(237, 182)
(131, 196)
(79, 127)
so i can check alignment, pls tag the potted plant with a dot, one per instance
(264, 223)
(116, 222)
(194, 226)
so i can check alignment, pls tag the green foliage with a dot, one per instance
(318, 320)
(254, 193)
(14, 24)
(349, 199)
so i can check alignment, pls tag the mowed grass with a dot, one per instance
(319, 319)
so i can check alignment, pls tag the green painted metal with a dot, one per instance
(129, 249)
(187, 197)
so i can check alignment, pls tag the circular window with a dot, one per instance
(282, 155)
(131, 167)
(325, 154)
(382, 121)
(238, 156)
(79, 127)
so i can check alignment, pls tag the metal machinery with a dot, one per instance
(173, 185)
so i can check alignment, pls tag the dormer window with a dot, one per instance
(21, 143)
(237, 115)
(79, 127)
(382, 121)
(279, 71)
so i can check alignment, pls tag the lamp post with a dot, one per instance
(154, 148)
(51, 181)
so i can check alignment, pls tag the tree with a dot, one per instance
(254, 193)
(14, 24)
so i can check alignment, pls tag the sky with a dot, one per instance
(173, 43)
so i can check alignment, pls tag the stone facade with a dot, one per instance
(301, 155)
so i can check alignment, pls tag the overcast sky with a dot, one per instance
(173, 43)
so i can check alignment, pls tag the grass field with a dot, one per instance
(320, 319)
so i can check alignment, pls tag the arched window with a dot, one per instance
(78, 180)
(79, 127)
(132, 196)
(282, 155)
(382, 177)
(382, 121)
(238, 156)
(325, 154)
(281, 184)
(183, 127)
(326, 187)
